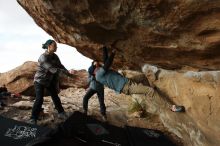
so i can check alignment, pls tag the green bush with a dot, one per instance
(138, 107)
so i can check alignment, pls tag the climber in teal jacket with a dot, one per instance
(121, 84)
(109, 77)
(116, 81)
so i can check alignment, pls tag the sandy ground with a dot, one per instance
(117, 111)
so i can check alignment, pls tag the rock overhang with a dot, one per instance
(169, 34)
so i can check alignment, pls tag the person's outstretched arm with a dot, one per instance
(105, 54)
(109, 61)
(60, 65)
(61, 68)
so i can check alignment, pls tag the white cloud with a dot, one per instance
(21, 40)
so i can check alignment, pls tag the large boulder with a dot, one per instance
(168, 33)
(198, 93)
(21, 79)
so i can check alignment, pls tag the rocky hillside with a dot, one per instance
(20, 80)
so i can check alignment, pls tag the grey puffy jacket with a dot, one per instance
(49, 67)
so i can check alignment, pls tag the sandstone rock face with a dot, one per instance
(166, 33)
(199, 93)
(20, 79)
(79, 80)
(170, 34)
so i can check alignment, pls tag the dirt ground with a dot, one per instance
(116, 112)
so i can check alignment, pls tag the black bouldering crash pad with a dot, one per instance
(15, 133)
(82, 130)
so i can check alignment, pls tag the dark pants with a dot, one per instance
(100, 95)
(3, 94)
(39, 89)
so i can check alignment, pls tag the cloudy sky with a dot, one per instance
(21, 40)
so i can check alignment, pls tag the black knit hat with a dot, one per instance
(47, 43)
